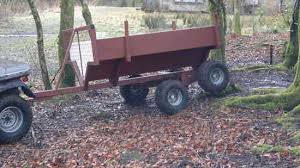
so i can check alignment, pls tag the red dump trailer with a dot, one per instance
(169, 60)
(146, 60)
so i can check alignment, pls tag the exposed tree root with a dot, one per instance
(296, 111)
(284, 100)
(288, 100)
(264, 91)
(257, 68)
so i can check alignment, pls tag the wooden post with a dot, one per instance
(174, 26)
(271, 48)
(126, 40)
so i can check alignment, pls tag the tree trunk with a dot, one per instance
(40, 44)
(66, 22)
(291, 56)
(218, 10)
(237, 17)
(86, 12)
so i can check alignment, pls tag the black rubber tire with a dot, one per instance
(204, 80)
(161, 97)
(18, 102)
(134, 95)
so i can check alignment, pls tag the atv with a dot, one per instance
(15, 111)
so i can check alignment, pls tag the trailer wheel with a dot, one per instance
(213, 77)
(15, 118)
(134, 95)
(171, 97)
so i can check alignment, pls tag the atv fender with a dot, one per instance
(7, 86)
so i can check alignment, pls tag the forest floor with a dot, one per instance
(96, 129)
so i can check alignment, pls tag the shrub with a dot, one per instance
(154, 21)
(193, 20)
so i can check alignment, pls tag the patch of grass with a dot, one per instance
(295, 151)
(266, 148)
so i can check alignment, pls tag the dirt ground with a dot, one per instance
(96, 129)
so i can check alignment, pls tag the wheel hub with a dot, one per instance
(175, 97)
(217, 76)
(11, 119)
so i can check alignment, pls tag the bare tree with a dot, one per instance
(218, 11)
(66, 22)
(237, 17)
(40, 44)
(86, 12)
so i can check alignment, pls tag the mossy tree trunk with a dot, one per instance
(66, 22)
(291, 56)
(86, 12)
(288, 100)
(218, 10)
(40, 44)
(237, 17)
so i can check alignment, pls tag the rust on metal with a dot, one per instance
(44, 95)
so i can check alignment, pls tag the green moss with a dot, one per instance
(295, 151)
(291, 56)
(264, 91)
(288, 121)
(286, 100)
(296, 138)
(266, 148)
(281, 67)
(296, 111)
(258, 68)
(255, 102)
